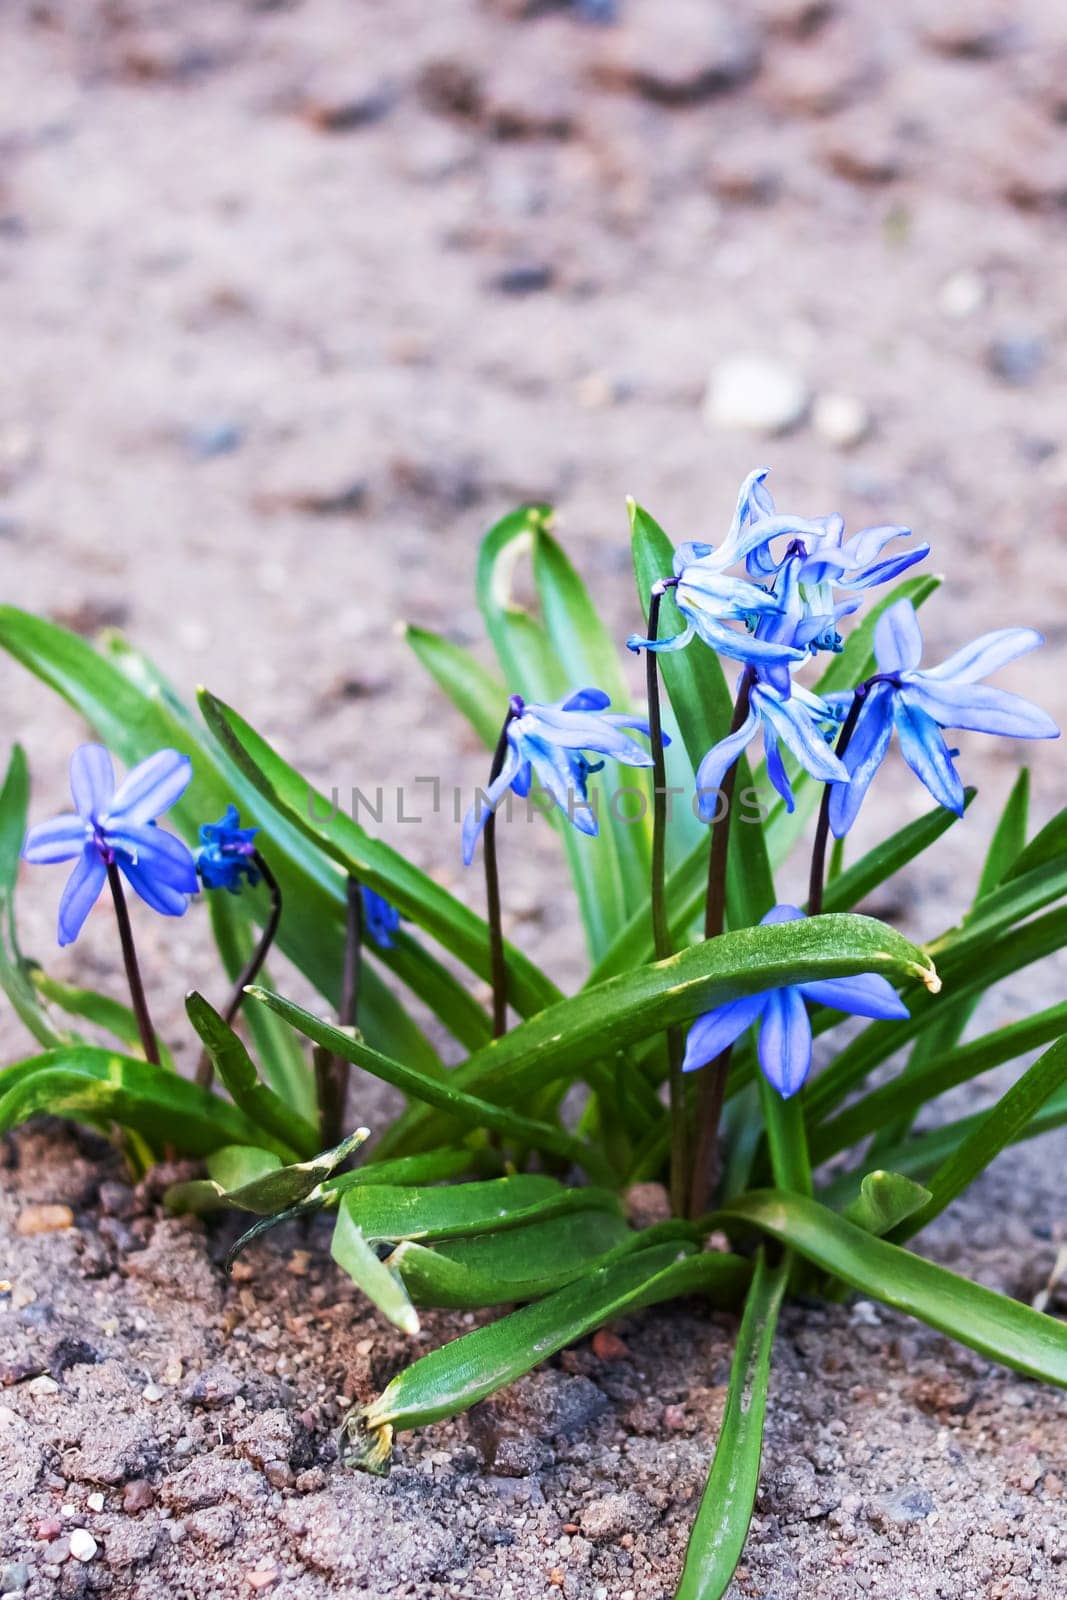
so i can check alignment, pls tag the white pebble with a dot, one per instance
(961, 296)
(82, 1545)
(757, 393)
(841, 419)
(95, 1502)
(151, 1392)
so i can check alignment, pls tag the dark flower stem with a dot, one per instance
(712, 1091)
(498, 970)
(661, 937)
(822, 828)
(205, 1069)
(149, 1042)
(332, 1072)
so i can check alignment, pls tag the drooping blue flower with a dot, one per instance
(117, 826)
(381, 919)
(552, 741)
(785, 1039)
(226, 858)
(919, 703)
(797, 719)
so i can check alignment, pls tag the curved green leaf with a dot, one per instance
(721, 1526)
(14, 977)
(1003, 1329)
(352, 1251)
(237, 1071)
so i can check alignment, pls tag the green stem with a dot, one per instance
(661, 938)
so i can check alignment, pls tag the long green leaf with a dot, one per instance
(237, 1071)
(102, 1087)
(911, 1091)
(353, 1252)
(14, 978)
(476, 693)
(443, 1095)
(99, 1009)
(887, 858)
(721, 1526)
(426, 1215)
(1009, 837)
(990, 1323)
(454, 1377)
(1001, 1125)
(376, 864)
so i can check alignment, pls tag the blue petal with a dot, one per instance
(557, 774)
(794, 724)
(60, 839)
(867, 995)
(987, 654)
(586, 700)
(382, 918)
(745, 647)
(717, 763)
(785, 1041)
(979, 708)
(717, 1030)
(776, 769)
(886, 571)
(81, 893)
(157, 854)
(677, 642)
(782, 913)
(154, 890)
(92, 780)
(865, 754)
(898, 644)
(151, 787)
(485, 804)
(927, 755)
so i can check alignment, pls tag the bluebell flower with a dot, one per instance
(117, 826)
(226, 858)
(919, 703)
(784, 1047)
(552, 741)
(381, 919)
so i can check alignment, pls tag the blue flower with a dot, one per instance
(117, 826)
(226, 857)
(382, 919)
(796, 718)
(551, 741)
(785, 1031)
(919, 703)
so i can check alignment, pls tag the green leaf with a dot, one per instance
(442, 1095)
(14, 978)
(135, 713)
(1001, 1125)
(358, 1258)
(253, 1180)
(962, 975)
(509, 1267)
(589, 656)
(98, 1009)
(1003, 1329)
(375, 864)
(390, 1215)
(476, 693)
(533, 668)
(721, 1526)
(432, 1166)
(237, 1071)
(229, 1168)
(885, 1199)
(556, 1044)
(101, 1087)
(905, 1095)
(456, 1376)
(1009, 838)
(283, 1062)
(1045, 848)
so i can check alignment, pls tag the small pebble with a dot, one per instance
(151, 1392)
(961, 296)
(138, 1495)
(14, 1578)
(44, 1219)
(82, 1545)
(43, 1385)
(95, 1502)
(841, 420)
(757, 393)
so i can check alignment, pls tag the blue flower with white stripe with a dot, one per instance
(785, 1038)
(554, 741)
(918, 703)
(117, 827)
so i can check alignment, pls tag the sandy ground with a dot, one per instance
(296, 300)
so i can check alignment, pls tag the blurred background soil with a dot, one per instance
(297, 299)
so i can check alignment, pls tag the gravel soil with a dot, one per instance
(297, 299)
